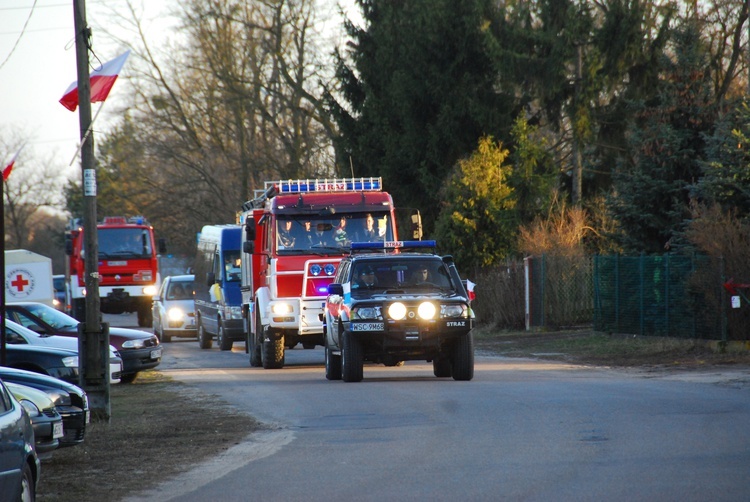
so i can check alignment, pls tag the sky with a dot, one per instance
(38, 63)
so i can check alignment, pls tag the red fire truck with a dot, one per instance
(295, 234)
(128, 267)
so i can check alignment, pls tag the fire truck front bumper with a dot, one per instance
(304, 317)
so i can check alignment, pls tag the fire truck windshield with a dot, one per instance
(306, 233)
(124, 242)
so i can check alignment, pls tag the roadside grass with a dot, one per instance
(585, 346)
(158, 428)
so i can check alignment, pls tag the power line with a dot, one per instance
(19, 36)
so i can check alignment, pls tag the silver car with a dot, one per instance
(174, 308)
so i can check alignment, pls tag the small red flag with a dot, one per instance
(101, 81)
(9, 167)
(470, 289)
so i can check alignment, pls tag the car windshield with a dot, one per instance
(52, 316)
(180, 290)
(331, 233)
(403, 274)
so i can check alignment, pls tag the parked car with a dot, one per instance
(59, 300)
(57, 363)
(19, 462)
(47, 422)
(71, 401)
(138, 349)
(15, 334)
(173, 309)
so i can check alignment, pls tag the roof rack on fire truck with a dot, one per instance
(385, 246)
(301, 186)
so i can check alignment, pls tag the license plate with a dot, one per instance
(367, 326)
(156, 353)
(117, 263)
(57, 431)
(87, 416)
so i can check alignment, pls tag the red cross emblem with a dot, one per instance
(19, 283)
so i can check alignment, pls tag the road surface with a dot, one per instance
(521, 430)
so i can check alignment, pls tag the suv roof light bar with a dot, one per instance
(384, 245)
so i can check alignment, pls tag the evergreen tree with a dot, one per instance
(726, 173)
(477, 223)
(651, 195)
(417, 91)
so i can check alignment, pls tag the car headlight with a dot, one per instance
(30, 408)
(59, 397)
(452, 311)
(397, 311)
(366, 313)
(426, 310)
(70, 362)
(176, 314)
(133, 344)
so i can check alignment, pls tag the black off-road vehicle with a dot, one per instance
(393, 302)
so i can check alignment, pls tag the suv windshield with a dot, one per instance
(407, 274)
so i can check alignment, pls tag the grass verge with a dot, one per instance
(158, 428)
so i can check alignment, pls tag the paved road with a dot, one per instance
(521, 430)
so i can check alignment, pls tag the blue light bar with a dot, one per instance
(329, 185)
(394, 245)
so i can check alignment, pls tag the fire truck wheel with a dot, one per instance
(144, 317)
(204, 339)
(352, 358)
(463, 358)
(272, 352)
(252, 343)
(222, 341)
(333, 365)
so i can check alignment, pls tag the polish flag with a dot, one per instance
(9, 167)
(470, 289)
(101, 80)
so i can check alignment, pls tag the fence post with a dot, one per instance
(641, 293)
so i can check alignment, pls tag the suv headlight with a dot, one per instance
(366, 313)
(452, 310)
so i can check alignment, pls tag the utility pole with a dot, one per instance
(577, 188)
(93, 336)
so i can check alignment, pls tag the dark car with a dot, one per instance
(138, 349)
(47, 422)
(388, 307)
(71, 402)
(19, 463)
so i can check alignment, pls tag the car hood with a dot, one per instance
(131, 334)
(65, 342)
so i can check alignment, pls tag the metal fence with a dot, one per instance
(667, 295)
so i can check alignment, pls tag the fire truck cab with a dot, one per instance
(127, 265)
(295, 234)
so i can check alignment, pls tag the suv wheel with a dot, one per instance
(333, 365)
(441, 367)
(463, 358)
(352, 358)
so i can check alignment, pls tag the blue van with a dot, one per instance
(218, 301)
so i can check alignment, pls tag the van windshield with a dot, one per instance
(303, 233)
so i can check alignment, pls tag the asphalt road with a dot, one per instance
(521, 430)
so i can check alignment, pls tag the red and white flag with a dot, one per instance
(101, 81)
(470, 289)
(7, 169)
